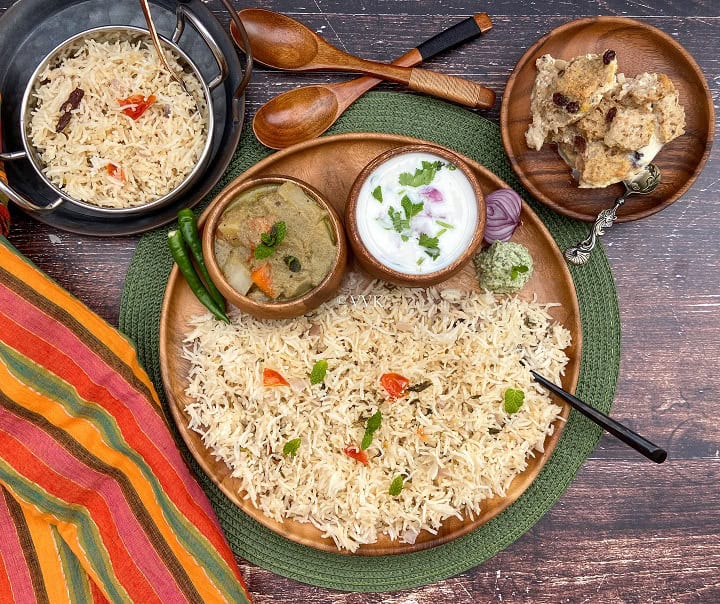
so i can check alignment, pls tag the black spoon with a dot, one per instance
(625, 434)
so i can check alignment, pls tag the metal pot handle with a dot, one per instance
(235, 18)
(185, 13)
(19, 199)
(238, 100)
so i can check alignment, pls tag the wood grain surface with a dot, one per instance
(626, 530)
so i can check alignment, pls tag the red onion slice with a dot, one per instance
(503, 214)
(432, 194)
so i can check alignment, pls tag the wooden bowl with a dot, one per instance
(285, 309)
(370, 264)
(640, 48)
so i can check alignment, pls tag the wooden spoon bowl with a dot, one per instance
(295, 116)
(640, 48)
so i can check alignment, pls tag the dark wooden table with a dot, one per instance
(626, 530)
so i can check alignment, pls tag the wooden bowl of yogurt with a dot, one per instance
(415, 215)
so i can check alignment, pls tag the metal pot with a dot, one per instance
(132, 33)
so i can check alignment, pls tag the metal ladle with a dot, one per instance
(642, 184)
(144, 4)
(238, 28)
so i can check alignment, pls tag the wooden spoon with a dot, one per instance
(281, 42)
(305, 113)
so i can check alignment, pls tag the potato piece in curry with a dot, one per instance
(275, 242)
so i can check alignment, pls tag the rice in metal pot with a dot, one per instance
(103, 156)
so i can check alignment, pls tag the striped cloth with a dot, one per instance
(96, 502)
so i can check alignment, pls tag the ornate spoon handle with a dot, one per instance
(644, 183)
(580, 253)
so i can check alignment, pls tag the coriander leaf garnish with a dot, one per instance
(396, 486)
(422, 176)
(377, 193)
(427, 241)
(373, 423)
(275, 235)
(317, 375)
(292, 263)
(517, 269)
(411, 209)
(513, 400)
(280, 232)
(270, 240)
(430, 244)
(399, 223)
(291, 447)
(366, 441)
(447, 225)
(263, 251)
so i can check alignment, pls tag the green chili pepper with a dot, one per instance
(189, 230)
(182, 259)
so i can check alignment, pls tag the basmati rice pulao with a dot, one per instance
(103, 156)
(454, 443)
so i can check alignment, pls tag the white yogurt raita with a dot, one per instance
(416, 213)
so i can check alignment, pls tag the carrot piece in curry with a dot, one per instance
(262, 277)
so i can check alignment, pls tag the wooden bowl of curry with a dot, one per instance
(274, 247)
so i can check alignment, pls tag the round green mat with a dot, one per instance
(478, 138)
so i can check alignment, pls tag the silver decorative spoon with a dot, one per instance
(642, 184)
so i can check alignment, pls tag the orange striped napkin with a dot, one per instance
(96, 503)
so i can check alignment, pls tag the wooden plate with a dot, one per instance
(639, 48)
(331, 164)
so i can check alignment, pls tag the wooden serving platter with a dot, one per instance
(331, 164)
(640, 48)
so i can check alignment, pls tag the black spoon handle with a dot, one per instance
(618, 430)
(457, 34)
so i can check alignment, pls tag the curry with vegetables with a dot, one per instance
(275, 242)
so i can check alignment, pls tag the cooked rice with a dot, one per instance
(155, 152)
(471, 346)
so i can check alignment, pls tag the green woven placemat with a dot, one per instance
(478, 138)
